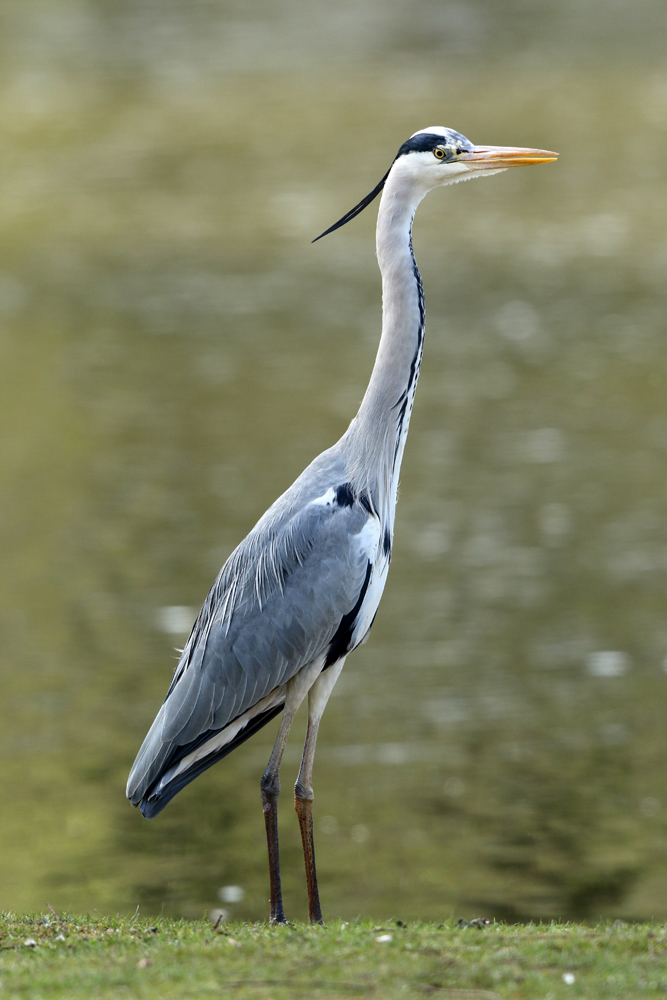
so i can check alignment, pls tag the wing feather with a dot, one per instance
(274, 608)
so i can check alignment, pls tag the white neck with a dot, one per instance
(377, 434)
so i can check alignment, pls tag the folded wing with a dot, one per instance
(274, 608)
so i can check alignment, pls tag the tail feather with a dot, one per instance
(163, 788)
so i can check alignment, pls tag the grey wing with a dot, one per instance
(276, 606)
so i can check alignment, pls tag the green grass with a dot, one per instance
(99, 958)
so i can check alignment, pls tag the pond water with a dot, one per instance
(174, 351)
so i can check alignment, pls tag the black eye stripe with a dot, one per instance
(426, 142)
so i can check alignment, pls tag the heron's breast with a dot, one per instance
(378, 554)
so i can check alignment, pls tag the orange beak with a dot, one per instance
(500, 157)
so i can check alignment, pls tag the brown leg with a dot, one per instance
(303, 803)
(296, 690)
(270, 788)
(303, 790)
(270, 803)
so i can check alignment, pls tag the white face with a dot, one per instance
(429, 172)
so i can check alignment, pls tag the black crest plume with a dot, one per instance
(420, 142)
(352, 214)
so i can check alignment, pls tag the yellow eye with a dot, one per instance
(439, 153)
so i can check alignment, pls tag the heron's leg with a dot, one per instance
(270, 787)
(303, 790)
(296, 690)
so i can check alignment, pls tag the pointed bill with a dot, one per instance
(500, 157)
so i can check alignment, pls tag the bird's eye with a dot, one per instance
(439, 152)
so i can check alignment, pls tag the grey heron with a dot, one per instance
(301, 591)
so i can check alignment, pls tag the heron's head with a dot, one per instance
(437, 156)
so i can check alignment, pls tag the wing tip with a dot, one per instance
(151, 806)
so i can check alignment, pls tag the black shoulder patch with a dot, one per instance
(345, 495)
(386, 544)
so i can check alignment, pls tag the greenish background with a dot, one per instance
(173, 351)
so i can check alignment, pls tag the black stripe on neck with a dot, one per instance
(415, 364)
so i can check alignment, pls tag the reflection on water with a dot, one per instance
(174, 352)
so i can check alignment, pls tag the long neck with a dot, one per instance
(378, 432)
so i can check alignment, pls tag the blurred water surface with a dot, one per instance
(174, 351)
